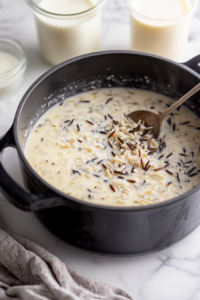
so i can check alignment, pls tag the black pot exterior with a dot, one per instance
(129, 232)
(109, 230)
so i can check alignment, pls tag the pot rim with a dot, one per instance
(172, 201)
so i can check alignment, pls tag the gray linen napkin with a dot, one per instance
(29, 272)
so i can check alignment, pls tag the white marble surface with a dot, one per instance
(172, 274)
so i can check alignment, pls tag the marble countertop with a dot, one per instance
(171, 274)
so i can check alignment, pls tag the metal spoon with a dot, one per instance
(151, 119)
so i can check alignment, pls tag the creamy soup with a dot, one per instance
(87, 148)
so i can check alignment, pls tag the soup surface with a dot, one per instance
(87, 148)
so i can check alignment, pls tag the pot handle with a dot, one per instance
(194, 64)
(16, 194)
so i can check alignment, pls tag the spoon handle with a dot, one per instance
(179, 102)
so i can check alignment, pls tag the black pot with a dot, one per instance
(109, 230)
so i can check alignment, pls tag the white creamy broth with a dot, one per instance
(66, 6)
(7, 62)
(86, 148)
(162, 9)
(67, 37)
(158, 30)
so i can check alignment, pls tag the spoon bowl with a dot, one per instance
(153, 120)
(149, 118)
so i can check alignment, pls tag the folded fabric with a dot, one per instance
(29, 272)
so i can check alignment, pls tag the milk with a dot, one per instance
(160, 26)
(65, 6)
(7, 62)
(63, 37)
(9, 79)
(162, 9)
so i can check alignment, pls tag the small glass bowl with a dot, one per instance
(11, 80)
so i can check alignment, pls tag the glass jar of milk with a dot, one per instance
(161, 27)
(67, 28)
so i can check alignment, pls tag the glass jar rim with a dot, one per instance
(39, 9)
(161, 20)
(22, 62)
